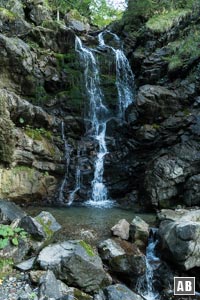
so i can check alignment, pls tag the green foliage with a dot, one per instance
(165, 20)
(7, 14)
(184, 50)
(11, 235)
(38, 133)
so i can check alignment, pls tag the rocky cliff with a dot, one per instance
(153, 157)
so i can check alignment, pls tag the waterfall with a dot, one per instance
(61, 197)
(97, 115)
(124, 75)
(78, 180)
(145, 285)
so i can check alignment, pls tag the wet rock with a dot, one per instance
(121, 229)
(75, 263)
(122, 257)
(139, 232)
(9, 211)
(118, 292)
(180, 240)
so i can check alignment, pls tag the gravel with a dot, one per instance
(17, 287)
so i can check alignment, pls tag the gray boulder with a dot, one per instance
(180, 240)
(121, 229)
(122, 257)
(49, 286)
(75, 263)
(26, 265)
(9, 211)
(117, 292)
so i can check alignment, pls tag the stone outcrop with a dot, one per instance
(180, 238)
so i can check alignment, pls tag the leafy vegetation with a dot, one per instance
(7, 14)
(87, 248)
(38, 133)
(164, 21)
(11, 235)
(185, 49)
(97, 12)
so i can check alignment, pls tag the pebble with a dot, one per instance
(15, 288)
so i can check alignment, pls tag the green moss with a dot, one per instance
(45, 227)
(155, 126)
(166, 20)
(7, 14)
(87, 248)
(184, 50)
(38, 133)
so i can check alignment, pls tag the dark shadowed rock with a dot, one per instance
(9, 211)
(139, 232)
(122, 257)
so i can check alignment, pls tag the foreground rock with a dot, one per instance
(180, 239)
(117, 292)
(123, 258)
(75, 263)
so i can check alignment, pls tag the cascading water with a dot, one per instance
(98, 114)
(145, 284)
(78, 180)
(124, 75)
(61, 197)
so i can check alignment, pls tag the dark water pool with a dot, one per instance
(76, 221)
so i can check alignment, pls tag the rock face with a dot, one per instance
(75, 263)
(180, 239)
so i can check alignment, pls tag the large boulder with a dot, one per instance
(78, 23)
(75, 263)
(117, 292)
(122, 257)
(9, 212)
(180, 240)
